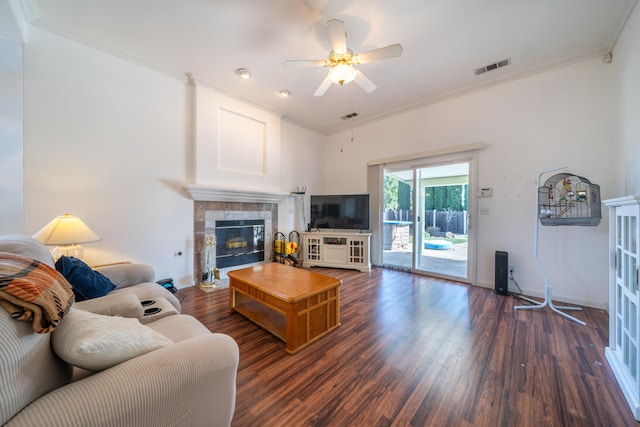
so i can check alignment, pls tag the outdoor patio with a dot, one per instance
(449, 262)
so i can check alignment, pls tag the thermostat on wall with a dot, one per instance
(485, 192)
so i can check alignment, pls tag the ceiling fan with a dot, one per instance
(342, 61)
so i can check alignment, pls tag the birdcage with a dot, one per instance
(567, 199)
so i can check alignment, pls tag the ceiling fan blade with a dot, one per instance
(323, 86)
(377, 54)
(364, 82)
(294, 63)
(338, 36)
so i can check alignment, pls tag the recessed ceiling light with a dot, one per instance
(243, 72)
(284, 93)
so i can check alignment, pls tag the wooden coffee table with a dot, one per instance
(297, 306)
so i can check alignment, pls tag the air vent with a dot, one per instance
(349, 116)
(492, 67)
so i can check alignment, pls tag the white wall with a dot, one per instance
(10, 137)
(303, 159)
(106, 140)
(561, 117)
(12, 34)
(626, 64)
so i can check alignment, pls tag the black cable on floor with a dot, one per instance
(517, 295)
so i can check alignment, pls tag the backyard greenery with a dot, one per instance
(397, 195)
(445, 197)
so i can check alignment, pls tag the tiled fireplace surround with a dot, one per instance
(207, 212)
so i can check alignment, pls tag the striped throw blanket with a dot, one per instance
(33, 292)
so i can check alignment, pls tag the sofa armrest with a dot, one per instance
(125, 274)
(192, 382)
(122, 304)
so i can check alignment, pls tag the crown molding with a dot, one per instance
(30, 10)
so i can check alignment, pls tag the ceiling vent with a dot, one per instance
(492, 67)
(349, 116)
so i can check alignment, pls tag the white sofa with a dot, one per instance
(190, 382)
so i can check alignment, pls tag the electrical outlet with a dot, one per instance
(511, 269)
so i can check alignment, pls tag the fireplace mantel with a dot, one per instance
(206, 193)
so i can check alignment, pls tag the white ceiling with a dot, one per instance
(443, 41)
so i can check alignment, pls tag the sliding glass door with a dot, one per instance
(398, 220)
(426, 219)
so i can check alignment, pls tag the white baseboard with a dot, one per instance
(560, 298)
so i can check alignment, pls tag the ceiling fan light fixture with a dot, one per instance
(243, 73)
(342, 62)
(342, 73)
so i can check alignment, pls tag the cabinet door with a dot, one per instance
(313, 248)
(626, 291)
(357, 251)
(335, 254)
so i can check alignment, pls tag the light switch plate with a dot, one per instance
(485, 192)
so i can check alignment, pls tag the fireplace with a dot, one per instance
(250, 226)
(239, 242)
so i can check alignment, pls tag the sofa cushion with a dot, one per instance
(96, 342)
(28, 367)
(179, 327)
(26, 246)
(124, 304)
(127, 274)
(86, 282)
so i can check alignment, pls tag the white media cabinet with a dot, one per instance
(339, 249)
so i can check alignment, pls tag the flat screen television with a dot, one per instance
(340, 212)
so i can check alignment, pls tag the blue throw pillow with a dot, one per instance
(86, 283)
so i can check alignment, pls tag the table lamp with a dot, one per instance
(67, 232)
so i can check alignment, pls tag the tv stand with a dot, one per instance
(338, 249)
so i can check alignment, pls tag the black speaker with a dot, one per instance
(502, 273)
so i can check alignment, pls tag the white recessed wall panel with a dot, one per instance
(242, 144)
(235, 144)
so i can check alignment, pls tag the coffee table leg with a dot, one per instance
(290, 331)
(232, 299)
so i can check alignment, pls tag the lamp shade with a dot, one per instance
(342, 73)
(66, 230)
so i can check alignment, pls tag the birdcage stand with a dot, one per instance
(547, 288)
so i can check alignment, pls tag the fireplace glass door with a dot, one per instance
(239, 242)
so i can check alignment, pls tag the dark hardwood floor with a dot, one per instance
(418, 351)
